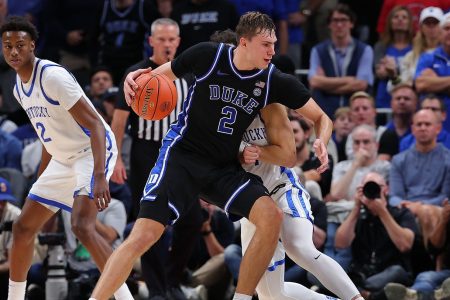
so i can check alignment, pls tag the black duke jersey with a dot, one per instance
(223, 101)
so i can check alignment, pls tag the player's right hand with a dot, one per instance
(130, 86)
(120, 173)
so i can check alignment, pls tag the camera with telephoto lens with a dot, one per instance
(52, 238)
(371, 190)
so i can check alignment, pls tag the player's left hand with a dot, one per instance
(102, 197)
(322, 154)
(251, 154)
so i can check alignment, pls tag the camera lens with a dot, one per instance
(371, 190)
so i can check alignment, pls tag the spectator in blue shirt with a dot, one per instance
(436, 105)
(10, 151)
(433, 69)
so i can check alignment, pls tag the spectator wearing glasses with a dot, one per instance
(340, 65)
(435, 104)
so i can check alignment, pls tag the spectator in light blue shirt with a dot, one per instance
(433, 69)
(421, 175)
(436, 105)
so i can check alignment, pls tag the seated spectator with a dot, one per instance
(436, 105)
(404, 105)
(110, 224)
(363, 111)
(341, 65)
(307, 162)
(342, 126)
(10, 151)
(395, 42)
(207, 263)
(381, 237)
(100, 81)
(347, 175)
(26, 134)
(8, 213)
(426, 283)
(433, 71)
(425, 41)
(420, 176)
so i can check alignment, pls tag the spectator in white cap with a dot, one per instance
(8, 213)
(426, 40)
(433, 69)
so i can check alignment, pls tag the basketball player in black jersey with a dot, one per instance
(146, 139)
(199, 153)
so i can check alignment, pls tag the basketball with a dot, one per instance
(156, 96)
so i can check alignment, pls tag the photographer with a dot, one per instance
(380, 236)
(8, 213)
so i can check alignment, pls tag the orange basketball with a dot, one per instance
(156, 96)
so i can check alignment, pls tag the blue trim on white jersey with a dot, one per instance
(235, 71)
(275, 265)
(234, 195)
(49, 202)
(28, 94)
(172, 136)
(294, 181)
(50, 100)
(214, 63)
(17, 91)
(271, 67)
(85, 130)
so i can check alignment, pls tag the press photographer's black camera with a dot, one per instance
(6, 226)
(52, 238)
(371, 190)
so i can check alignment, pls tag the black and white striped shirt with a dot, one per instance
(153, 130)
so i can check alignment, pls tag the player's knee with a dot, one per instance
(141, 243)
(266, 214)
(23, 231)
(82, 230)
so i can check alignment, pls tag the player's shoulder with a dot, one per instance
(49, 68)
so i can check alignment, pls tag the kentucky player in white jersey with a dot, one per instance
(297, 227)
(78, 156)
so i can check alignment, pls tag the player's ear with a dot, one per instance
(32, 46)
(243, 42)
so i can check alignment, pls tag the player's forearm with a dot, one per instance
(278, 155)
(166, 69)
(118, 124)
(98, 145)
(432, 84)
(323, 128)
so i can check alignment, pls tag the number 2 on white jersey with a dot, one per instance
(41, 127)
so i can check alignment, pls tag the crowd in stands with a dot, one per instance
(380, 69)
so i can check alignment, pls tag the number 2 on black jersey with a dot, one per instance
(228, 119)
